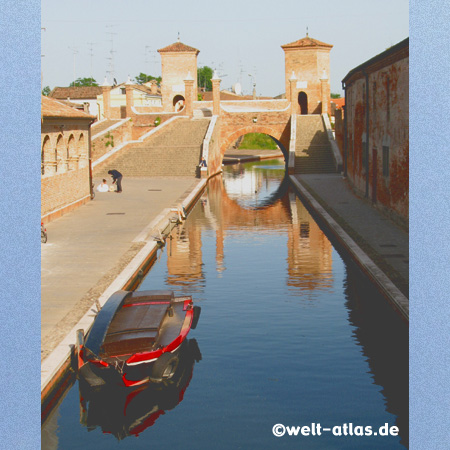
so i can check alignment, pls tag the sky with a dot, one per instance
(241, 39)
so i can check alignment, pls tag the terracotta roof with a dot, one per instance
(178, 47)
(53, 108)
(306, 42)
(339, 102)
(78, 92)
(146, 89)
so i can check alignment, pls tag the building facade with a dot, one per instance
(83, 95)
(375, 130)
(65, 153)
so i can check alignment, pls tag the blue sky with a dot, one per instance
(236, 37)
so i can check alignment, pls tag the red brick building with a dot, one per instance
(307, 61)
(178, 63)
(65, 153)
(375, 129)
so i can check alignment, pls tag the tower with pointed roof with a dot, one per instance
(309, 60)
(177, 61)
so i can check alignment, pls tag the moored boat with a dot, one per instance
(135, 338)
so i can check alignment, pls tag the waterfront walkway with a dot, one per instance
(380, 239)
(89, 247)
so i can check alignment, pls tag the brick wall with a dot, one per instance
(65, 150)
(110, 139)
(59, 191)
(388, 104)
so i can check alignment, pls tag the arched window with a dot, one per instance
(46, 157)
(72, 157)
(83, 152)
(60, 165)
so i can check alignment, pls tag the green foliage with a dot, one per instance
(84, 82)
(255, 141)
(110, 141)
(144, 78)
(199, 97)
(204, 75)
(157, 121)
(46, 91)
(335, 95)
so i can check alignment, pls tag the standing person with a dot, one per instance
(117, 179)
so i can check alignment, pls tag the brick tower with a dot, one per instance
(177, 61)
(309, 60)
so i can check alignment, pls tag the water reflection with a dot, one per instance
(308, 251)
(126, 412)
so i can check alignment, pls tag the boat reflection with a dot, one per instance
(126, 412)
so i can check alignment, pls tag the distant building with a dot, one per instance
(65, 153)
(145, 97)
(86, 96)
(375, 130)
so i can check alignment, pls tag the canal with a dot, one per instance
(290, 333)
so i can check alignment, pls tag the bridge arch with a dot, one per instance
(278, 137)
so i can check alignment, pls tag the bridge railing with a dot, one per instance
(291, 163)
(333, 144)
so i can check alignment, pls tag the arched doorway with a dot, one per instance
(178, 103)
(303, 102)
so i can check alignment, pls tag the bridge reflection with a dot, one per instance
(231, 204)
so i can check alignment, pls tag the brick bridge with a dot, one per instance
(299, 123)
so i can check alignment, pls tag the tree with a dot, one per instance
(84, 82)
(204, 75)
(46, 91)
(335, 95)
(144, 78)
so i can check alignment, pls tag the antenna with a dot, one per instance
(307, 32)
(112, 51)
(152, 57)
(42, 56)
(91, 53)
(178, 36)
(75, 52)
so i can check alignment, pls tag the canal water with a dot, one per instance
(290, 333)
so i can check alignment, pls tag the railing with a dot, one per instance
(333, 144)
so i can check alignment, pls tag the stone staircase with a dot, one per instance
(98, 127)
(312, 150)
(175, 151)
